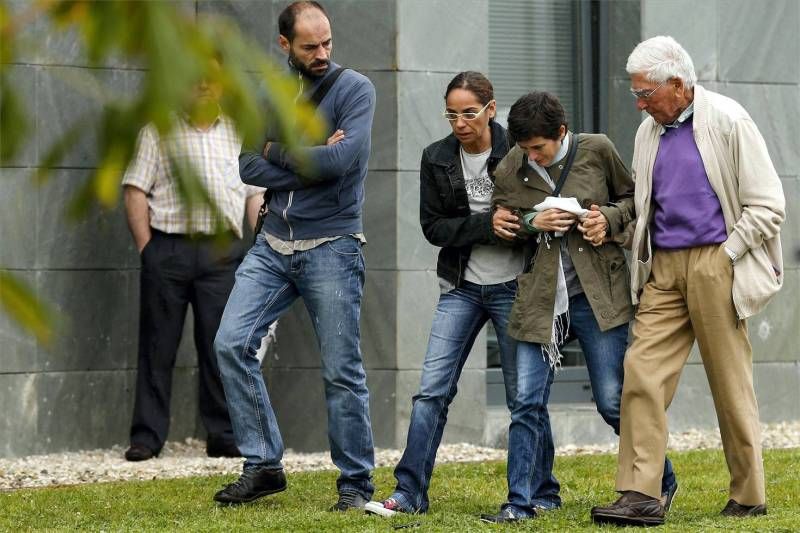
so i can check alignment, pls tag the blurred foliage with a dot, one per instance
(173, 47)
(21, 304)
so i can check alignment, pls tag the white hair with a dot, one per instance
(661, 58)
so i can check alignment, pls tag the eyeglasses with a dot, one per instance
(452, 117)
(645, 94)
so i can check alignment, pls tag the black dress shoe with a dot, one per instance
(139, 452)
(738, 510)
(349, 499)
(219, 446)
(251, 485)
(631, 509)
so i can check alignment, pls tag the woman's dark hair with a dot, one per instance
(537, 114)
(288, 16)
(474, 82)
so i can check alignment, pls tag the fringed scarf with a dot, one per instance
(550, 351)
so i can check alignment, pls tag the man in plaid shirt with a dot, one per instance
(180, 263)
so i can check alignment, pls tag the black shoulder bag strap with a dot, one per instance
(325, 86)
(315, 99)
(573, 148)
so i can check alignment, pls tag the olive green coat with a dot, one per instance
(598, 176)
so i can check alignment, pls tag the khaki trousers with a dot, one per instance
(688, 297)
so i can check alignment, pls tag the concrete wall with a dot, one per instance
(748, 51)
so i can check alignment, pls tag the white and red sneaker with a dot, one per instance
(387, 508)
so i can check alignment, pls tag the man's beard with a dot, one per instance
(306, 71)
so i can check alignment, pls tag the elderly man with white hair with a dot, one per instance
(706, 255)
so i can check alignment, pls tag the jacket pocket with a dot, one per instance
(445, 190)
(755, 282)
(531, 316)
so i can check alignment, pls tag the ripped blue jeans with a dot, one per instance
(330, 280)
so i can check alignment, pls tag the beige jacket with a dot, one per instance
(742, 175)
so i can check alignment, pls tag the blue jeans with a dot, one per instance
(527, 459)
(330, 280)
(460, 315)
(604, 352)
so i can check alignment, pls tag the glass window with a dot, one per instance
(532, 47)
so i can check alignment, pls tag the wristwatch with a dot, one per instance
(731, 254)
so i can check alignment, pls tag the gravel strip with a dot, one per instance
(183, 459)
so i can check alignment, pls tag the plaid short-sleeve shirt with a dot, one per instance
(213, 154)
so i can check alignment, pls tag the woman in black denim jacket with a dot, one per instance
(477, 275)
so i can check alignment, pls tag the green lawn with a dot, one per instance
(459, 493)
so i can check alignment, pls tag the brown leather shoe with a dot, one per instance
(738, 510)
(631, 509)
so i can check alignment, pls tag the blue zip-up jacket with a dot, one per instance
(327, 200)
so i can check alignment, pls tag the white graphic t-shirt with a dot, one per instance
(488, 265)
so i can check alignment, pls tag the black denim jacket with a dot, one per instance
(444, 204)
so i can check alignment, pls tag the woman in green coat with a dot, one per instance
(577, 285)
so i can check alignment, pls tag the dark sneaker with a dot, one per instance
(219, 446)
(349, 499)
(387, 508)
(139, 452)
(737, 510)
(251, 485)
(507, 515)
(631, 509)
(668, 496)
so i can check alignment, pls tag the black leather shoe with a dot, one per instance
(349, 499)
(738, 510)
(251, 485)
(507, 515)
(219, 446)
(139, 452)
(631, 509)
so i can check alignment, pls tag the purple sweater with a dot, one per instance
(686, 211)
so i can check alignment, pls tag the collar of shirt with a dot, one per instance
(688, 112)
(184, 117)
(561, 154)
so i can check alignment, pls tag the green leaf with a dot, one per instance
(20, 303)
(13, 121)
(6, 35)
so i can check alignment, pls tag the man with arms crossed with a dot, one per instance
(706, 256)
(310, 248)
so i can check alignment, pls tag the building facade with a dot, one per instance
(78, 393)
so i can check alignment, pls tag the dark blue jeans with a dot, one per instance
(460, 315)
(604, 352)
(330, 279)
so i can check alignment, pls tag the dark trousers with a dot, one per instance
(178, 271)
